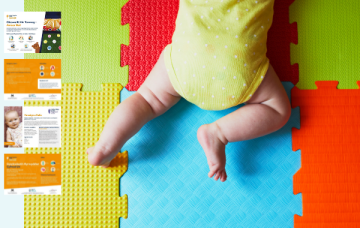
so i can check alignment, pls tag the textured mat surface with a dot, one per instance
(90, 195)
(328, 49)
(91, 36)
(152, 23)
(281, 34)
(167, 178)
(329, 178)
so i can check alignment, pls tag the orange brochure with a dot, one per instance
(32, 174)
(32, 79)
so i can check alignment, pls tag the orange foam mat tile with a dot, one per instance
(329, 177)
(90, 195)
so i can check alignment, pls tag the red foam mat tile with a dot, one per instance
(152, 23)
(280, 35)
(329, 177)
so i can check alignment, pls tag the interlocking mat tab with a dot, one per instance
(169, 187)
(329, 178)
(91, 36)
(328, 49)
(90, 195)
(280, 35)
(152, 23)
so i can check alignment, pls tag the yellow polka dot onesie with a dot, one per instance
(217, 58)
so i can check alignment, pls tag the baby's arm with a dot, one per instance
(9, 139)
(8, 136)
(155, 96)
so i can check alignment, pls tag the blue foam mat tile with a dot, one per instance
(168, 186)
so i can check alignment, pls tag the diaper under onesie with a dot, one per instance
(217, 58)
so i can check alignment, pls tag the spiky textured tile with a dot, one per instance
(90, 195)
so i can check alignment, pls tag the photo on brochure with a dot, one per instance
(32, 32)
(13, 127)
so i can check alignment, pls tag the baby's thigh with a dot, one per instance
(270, 89)
(158, 80)
(157, 87)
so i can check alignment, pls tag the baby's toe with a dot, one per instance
(223, 176)
(107, 164)
(89, 150)
(217, 176)
(212, 172)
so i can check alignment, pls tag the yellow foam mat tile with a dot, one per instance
(90, 195)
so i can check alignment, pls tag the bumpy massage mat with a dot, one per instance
(90, 195)
(152, 23)
(167, 180)
(329, 178)
(91, 36)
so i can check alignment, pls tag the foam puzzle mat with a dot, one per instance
(91, 37)
(150, 34)
(167, 178)
(328, 42)
(329, 178)
(90, 195)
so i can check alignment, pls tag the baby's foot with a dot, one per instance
(209, 138)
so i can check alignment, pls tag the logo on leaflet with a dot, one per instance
(53, 110)
(11, 16)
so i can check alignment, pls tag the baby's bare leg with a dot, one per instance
(267, 111)
(155, 96)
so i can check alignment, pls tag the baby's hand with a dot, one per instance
(97, 157)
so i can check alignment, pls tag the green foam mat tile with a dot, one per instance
(91, 36)
(328, 37)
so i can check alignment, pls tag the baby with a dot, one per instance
(217, 60)
(14, 131)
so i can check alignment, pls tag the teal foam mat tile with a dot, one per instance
(167, 183)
